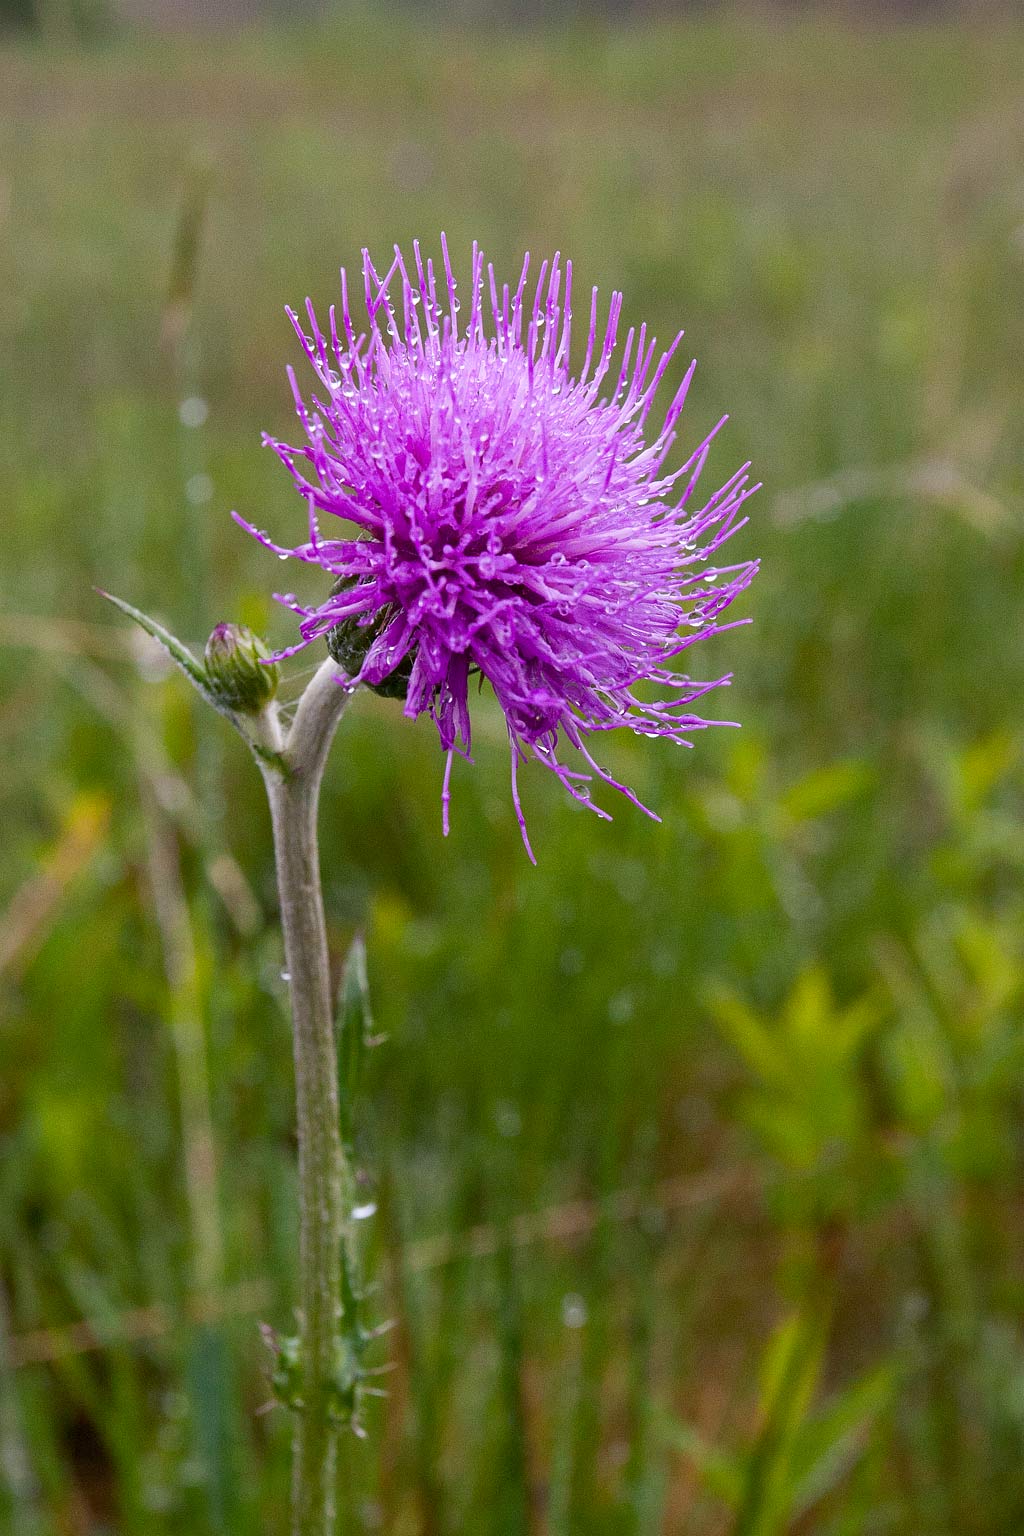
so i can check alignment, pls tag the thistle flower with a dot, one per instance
(508, 520)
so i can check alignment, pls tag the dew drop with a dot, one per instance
(507, 1119)
(198, 489)
(193, 411)
(574, 1310)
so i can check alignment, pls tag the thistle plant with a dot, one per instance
(482, 515)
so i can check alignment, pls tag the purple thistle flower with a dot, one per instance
(510, 520)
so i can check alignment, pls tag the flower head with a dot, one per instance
(508, 520)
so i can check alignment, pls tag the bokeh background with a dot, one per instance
(697, 1150)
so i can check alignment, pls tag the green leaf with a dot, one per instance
(198, 676)
(179, 653)
(809, 1006)
(354, 1029)
(790, 1367)
(833, 1441)
(790, 1374)
(719, 1470)
(826, 789)
(985, 764)
(750, 1036)
(853, 1027)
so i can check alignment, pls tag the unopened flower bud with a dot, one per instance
(238, 671)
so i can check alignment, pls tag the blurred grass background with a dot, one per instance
(697, 1150)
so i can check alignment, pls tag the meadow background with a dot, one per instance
(696, 1150)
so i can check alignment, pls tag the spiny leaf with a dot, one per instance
(198, 676)
(354, 1028)
(179, 653)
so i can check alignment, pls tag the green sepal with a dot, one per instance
(349, 641)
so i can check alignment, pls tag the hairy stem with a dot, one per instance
(294, 796)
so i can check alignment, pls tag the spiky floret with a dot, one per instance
(509, 520)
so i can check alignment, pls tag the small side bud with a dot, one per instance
(238, 672)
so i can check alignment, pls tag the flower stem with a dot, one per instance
(294, 793)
